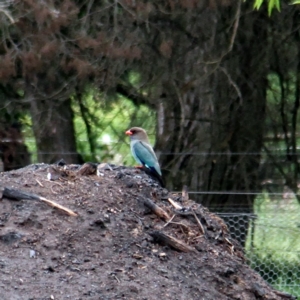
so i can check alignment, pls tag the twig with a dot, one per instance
(234, 84)
(7, 14)
(175, 204)
(182, 225)
(56, 205)
(235, 26)
(53, 190)
(171, 241)
(39, 182)
(231, 246)
(56, 183)
(198, 222)
(20, 195)
(185, 193)
(115, 276)
(169, 221)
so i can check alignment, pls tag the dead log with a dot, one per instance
(171, 241)
(154, 208)
(87, 169)
(21, 195)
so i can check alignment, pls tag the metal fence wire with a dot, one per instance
(273, 245)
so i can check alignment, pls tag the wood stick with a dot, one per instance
(185, 194)
(175, 204)
(58, 206)
(39, 182)
(182, 225)
(171, 241)
(155, 208)
(169, 221)
(199, 223)
(20, 195)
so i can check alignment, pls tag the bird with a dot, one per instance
(143, 153)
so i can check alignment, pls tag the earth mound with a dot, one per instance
(115, 234)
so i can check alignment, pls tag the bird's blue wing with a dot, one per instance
(145, 154)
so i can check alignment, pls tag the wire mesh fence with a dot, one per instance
(272, 246)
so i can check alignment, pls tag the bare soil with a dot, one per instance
(117, 247)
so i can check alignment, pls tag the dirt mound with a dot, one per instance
(126, 242)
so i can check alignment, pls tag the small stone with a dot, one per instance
(31, 253)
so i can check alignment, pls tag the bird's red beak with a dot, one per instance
(128, 132)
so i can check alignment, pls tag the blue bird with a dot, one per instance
(143, 153)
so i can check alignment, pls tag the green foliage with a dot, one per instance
(28, 135)
(272, 4)
(108, 120)
(281, 125)
(276, 88)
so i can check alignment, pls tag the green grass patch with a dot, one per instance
(274, 248)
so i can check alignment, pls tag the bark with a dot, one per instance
(54, 130)
(13, 151)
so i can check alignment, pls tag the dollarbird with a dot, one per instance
(143, 153)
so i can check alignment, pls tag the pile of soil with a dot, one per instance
(129, 239)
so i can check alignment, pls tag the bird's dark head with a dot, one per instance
(137, 133)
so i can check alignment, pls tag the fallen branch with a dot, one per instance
(176, 205)
(169, 221)
(185, 194)
(20, 195)
(39, 182)
(199, 223)
(155, 208)
(182, 225)
(171, 241)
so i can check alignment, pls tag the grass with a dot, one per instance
(274, 249)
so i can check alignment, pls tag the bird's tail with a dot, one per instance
(153, 174)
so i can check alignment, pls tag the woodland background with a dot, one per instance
(216, 84)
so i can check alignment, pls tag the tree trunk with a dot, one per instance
(13, 151)
(54, 130)
(211, 138)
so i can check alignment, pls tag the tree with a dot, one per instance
(13, 151)
(51, 51)
(36, 60)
